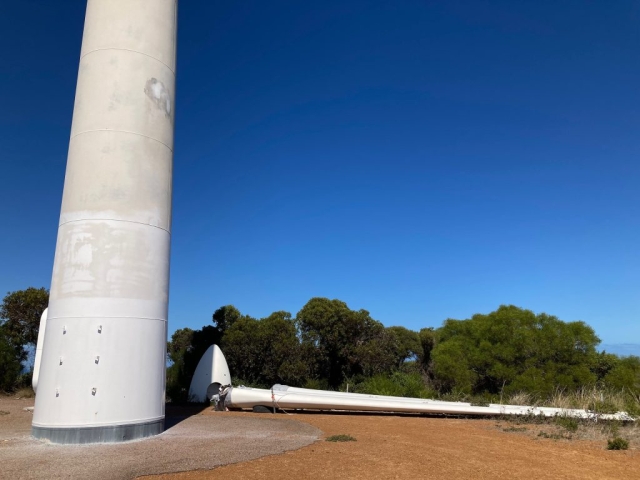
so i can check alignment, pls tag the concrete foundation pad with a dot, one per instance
(191, 443)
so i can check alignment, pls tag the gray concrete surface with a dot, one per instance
(195, 442)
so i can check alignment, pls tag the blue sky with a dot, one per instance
(422, 160)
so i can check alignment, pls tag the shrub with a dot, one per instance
(554, 436)
(341, 438)
(380, 385)
(397, 384)
(603, 406)
(515, 429)
(568, 423)
(632, 407)
(316, 384)
(624, 374)
(617, 444)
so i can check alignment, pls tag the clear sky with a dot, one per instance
(419, 159)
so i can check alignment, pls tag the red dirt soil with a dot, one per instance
(428, 448)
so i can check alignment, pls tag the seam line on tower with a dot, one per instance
(113, 220)
(132, 51)
(122, 131)
(103, 316)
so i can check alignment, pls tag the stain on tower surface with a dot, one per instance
(102, 375)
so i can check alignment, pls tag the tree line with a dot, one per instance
(327, 345)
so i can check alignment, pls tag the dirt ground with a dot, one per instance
(430, 448)
(239, 445)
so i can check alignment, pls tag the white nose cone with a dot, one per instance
(211, 373)
(38, 359)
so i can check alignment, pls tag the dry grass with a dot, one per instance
(586, 398)
(604, 431)
(590, 399)
(553, 429)
(520, 398)
(25, 392)
(565, 429)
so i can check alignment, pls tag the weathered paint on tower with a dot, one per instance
(102, 375)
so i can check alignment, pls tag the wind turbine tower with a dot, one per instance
(102, 373)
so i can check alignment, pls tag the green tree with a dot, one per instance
(186, 347)
(514, 349)
(266, 351)
(20, 314)
(225, 317)
(625, 375)
(344, 342)
(451, 368)
(407, 344)
(177, 349)
(603, 364)
(180, 343)
(242, 350)
(375, 355)
(9, 363)
(427, 337)
(185, 351)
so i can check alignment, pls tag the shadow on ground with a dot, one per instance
(175, 414)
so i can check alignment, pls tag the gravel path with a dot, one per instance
(195, 443)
